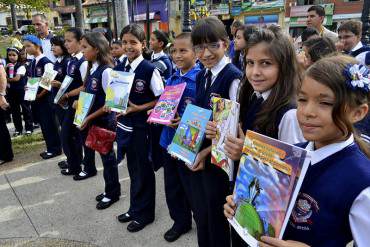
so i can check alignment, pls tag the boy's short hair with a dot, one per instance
(237, 24)
(308, 32)
(318, 9)
(352, 26)
(319, 47)
(184, 35)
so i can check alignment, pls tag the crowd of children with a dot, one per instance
(314, 98)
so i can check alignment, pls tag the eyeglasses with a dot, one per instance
(345, 36)
(212, 47)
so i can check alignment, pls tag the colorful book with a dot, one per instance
(190, 133)
(118, 90)
(31, 88)
(166, 107)
(270, 175)
(47, 78)
(226, 115)
(63, 88)
(85, 101)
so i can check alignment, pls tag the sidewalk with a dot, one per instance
(40, 207)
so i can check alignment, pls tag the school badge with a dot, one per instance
(38, 72)
(304, 208)
(139, 86)
(72, 69)
(94, 84)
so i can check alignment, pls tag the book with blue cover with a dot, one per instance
(85, 101)
(190, 133)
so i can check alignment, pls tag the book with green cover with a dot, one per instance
(31, 88)
(85, 101)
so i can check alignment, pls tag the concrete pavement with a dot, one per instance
(40, 207)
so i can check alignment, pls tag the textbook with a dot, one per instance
(166, 107)
(118, 90)
(270, 176)
(189, 135)
(47, 78)
(85, 101)
(31, 88)
(63, 88)
(226, 115)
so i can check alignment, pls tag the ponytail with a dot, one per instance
(364, 146)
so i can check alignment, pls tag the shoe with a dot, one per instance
(2, 162)
(28, 133)
(124, 218)
(135, 226)
(63, 164)
(172, 235)
(17, 133)
(48, 155)
(103, 205)
(83, 175)
(67, 172)
(36, 126)
(100, 197)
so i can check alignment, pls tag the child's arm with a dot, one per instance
(41, 94)
(234, 146)
(132, 108)
(229, 207)
(199, 162)
(211, 130)
(92, 116)
(15, 78)
(21, 71)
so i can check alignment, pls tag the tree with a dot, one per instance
(79, 16)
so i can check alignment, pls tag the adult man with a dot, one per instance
(6, 153)
(41, 25)
(350, 40)
(315, 19)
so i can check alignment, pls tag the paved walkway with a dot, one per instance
(40, 207)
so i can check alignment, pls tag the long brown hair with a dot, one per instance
(283, 92)
(329, 72)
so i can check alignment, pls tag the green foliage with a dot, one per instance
(42, 5)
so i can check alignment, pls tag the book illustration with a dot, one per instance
(226, 115)
(85, 101)
(118, 90)
(166, 107)
(63, 88)
(31, 88)
(269, 178)
(190, 134)
(47, 78)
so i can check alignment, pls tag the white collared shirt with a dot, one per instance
(46, 49)
(157, 55)
(359, 214)
(59, 59)
(360, 57)
(48, 66)
(84, 65)
(156, 82)
(120, 59)
(215, 70)
(289, 130)
(105, 78)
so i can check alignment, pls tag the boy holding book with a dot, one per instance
(178, 194)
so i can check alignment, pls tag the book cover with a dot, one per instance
(270, 175)
(166, 107)
(63, 88)
(47, 78)
(189, 134)
(85, 101)
(31, 88)
(226, 115)
(118, 90)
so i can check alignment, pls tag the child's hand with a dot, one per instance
(56, 83)
(132, 108)
(63, 100)
(74, 105)
(199, 162)
(211, 130)
(229, 207)
(234, 146)
(274, 242)
(107, 109)
(175, 122)
(85, 123)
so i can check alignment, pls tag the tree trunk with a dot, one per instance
(79, 15)
(121, 19)
(14, 17)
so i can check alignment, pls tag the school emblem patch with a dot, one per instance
(38, 71)
(72, 69)
(94, 83)
(304, 208)
(139, 86)
(60, 71)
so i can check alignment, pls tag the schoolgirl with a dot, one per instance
(17, 79)
(71, 137)
(158, 42)
(218, 78)
(41, 106)
(62, 59)
(241, 36)
(96, 51)
(328, 211)
(147, 86)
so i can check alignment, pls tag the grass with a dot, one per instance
(27, 143)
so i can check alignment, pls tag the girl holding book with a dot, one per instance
(333, 96)
(71, 138)
(218, 78)
(17, 79)
(146, 88)
(96, 51)
(41, 106)
(62, 59)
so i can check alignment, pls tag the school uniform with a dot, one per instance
(363, 128)
(16, 100)
(212, 227)
(60, 66)
(332, 207)
(359, 52)
(96, 83)
(42, 108)
(176, 175)
(163, 63)
(119, 60)
(147, 86)
(71, 136)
